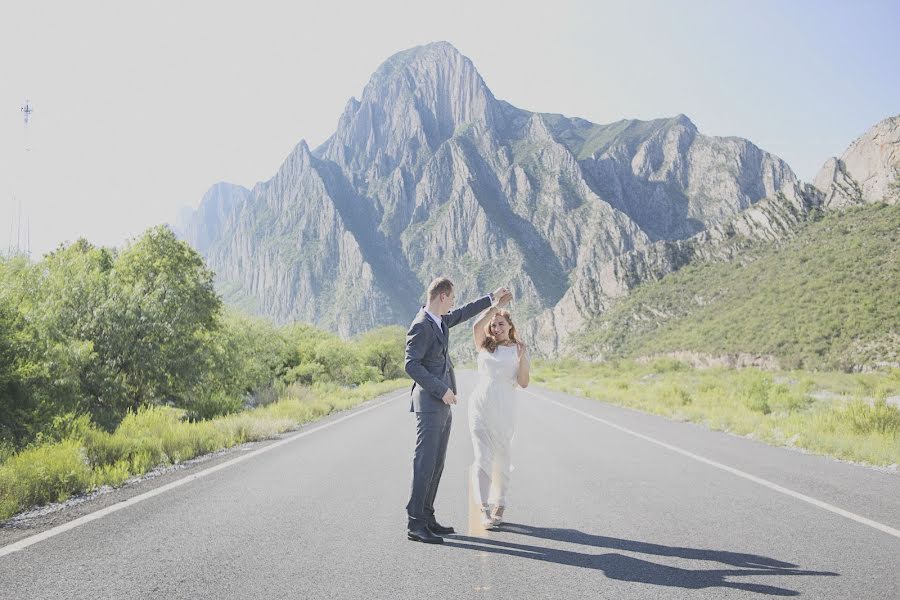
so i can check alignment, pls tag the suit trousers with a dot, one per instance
(432, 437)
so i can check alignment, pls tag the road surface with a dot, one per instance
(606, 503)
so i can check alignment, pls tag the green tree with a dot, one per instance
(384, 348)
(69, 328)
(159, 312)
(317, 355)
(48, 317)
(245, 359)
(15, 405)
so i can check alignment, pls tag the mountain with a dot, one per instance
(429, 174)
(807, 285)
(827, 297)
(204, 226)
(869, 171)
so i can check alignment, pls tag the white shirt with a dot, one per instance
(434, 317)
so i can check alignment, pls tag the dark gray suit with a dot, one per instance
(428, 363)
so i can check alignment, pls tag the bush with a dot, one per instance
(384, 349)
(213, 405)
(783, 399)
(753, 391)
(363, 374)
(879, 417)
(668, 365)
(6, 451)
(677, 396)
(41, 475)
(68, 426)
(153, 436)
(305, 373)
(105, 449)
(263, 397)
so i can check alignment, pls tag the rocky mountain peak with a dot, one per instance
(868, 171)
(203, 226)
(683, 121)
(415, 100)
(440, 60)
(300, 156)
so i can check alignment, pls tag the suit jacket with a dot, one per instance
(427, 356)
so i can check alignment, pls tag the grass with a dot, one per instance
(156, 436)
(836, 414)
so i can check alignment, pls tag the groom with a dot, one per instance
(434, 390)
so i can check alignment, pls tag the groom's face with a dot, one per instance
(447, 301)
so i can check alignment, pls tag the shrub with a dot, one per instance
(6, 451)
(384, 349)
(753, 391)
(668, 365)
(782, 399)
(113, 475)
(879, 417)
(68, 426)
(263, 397)
(209, 406)
(305, 373)
(42, 474)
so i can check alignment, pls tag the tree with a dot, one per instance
(15, 405)
(384, 349)
(245, 357)
(160, 308)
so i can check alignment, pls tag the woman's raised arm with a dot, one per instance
(478, 327)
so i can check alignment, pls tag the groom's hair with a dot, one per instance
(441, 285)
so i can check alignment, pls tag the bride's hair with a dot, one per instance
(490, 342)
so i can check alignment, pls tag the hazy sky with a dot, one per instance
(139, 107)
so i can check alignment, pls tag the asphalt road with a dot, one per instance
(605, 503)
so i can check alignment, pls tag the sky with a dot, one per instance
(140, 107)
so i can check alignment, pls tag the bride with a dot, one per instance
(503, 364)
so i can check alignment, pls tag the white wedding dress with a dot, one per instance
(492, 423)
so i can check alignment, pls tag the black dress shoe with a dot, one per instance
(438, 529)
(423, 535)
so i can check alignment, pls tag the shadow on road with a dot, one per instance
(626, 568)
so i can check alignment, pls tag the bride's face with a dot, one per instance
(500, 329)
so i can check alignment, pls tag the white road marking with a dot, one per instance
(773, 486)
(39, 537)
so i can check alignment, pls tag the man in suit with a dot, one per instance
(434, 391)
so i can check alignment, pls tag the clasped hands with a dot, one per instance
(502, 296)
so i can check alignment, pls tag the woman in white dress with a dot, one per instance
(503, 365)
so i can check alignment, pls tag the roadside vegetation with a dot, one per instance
(113, 363)
(844, 415)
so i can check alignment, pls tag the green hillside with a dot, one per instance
(827, 298)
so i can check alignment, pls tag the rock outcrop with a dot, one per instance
(869, 171)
